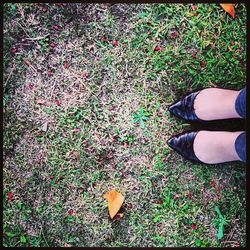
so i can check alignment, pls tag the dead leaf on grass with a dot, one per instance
(44, 127)
(115, 201)
(40, 101)
(229, 8)
(76, 155)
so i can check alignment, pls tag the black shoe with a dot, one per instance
(184, 108)
(183, 144)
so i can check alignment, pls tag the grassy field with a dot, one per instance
(86, 91)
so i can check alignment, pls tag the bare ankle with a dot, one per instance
(216, 146)
(215, 103)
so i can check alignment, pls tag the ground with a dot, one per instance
(86, 92)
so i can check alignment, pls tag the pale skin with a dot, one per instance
(214, 147)
(214, 103)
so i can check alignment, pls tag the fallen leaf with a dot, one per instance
(40, 101)
(115, 201)
(104, 39)
(53, 45)
(159, 114)
(14, 50)
(174, 34)
(67, 245)
(57, 27)
(10, 196)
(66, 65)
(44, 127)
(110, 155)
(203, 64)
(194, 7)
(160, 202)
(30, 86)
(112, 108)
(71, 211)
(58, 102)
(176, 197)
(50, 73)
(158, 48)
(76, 130)
(213, 183)
(229, 8)
(159, 224)
(76, 155)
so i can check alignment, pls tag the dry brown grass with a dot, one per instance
(70, 135)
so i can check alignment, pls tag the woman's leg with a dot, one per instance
(214, 147)
(215, 103)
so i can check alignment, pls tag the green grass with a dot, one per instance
(72, 132)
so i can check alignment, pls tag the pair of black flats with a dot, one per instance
(183, 143)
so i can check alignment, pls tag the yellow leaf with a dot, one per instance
(115, 201)
(229, 8)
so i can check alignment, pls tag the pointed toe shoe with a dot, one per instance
(183, 145)
(184, 108)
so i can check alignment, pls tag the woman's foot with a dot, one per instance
(214, 104)
(214, 147)
(210, 147)
(206, 105)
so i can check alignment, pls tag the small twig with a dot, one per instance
(230, 241)
(102, 10)
(236, 243)
(53, 89)
(36, 38)
(22, 28)
(30, 65)
(231, 234)
(10, 74)
(43, 234)
(80, 80)
(213, 84)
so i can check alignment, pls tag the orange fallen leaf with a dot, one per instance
(115, 201)
(229, 8)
